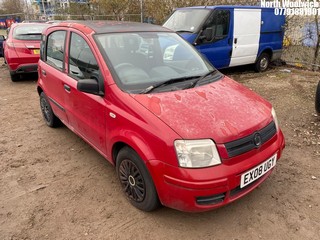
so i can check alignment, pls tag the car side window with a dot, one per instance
(82, 63)
(218, 24)
(55, 49)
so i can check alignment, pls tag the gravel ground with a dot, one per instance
(55, 186)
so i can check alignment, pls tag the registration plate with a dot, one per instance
(36, 51)
(257, 172)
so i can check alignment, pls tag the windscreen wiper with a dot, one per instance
(202, 77)
(184, 31)
(170, 81)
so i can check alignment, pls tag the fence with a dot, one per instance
(301, 42)
(125, 17)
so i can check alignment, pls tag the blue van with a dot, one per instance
(231, 35)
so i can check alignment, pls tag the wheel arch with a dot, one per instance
(267, 50)
(134, 142)
(39, 90)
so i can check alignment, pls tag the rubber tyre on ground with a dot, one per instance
(47, 113)
(262, 62)
(14, 77)
(317, 100)
(136, 181)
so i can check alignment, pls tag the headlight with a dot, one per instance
(197, 153)
(275, 119)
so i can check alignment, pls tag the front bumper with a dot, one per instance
(196, 190)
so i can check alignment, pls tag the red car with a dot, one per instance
(179, 132)
(22, 48)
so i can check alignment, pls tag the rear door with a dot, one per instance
(246, 36)
(52, 71)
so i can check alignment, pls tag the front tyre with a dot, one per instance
(47, 113)
(262, 62)
(136, 181)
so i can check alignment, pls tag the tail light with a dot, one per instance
(20, 47)
(10, 44)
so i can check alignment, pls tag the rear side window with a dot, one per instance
(55, 49)
(82, 63)
(29, 32)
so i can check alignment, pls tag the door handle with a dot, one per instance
(67, 88)
(235, 40)
(43, 72)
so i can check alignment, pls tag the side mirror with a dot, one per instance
(208, 34)
(89, 86)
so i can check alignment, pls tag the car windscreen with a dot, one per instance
(28, 32)
(144, 59)
(186, 20)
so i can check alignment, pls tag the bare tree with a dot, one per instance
(79, 10)
(118, 8)
(12, 6)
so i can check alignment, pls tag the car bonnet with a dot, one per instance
(223, 111)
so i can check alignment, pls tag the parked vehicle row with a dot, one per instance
(178, 132)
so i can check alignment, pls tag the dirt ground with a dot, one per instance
(55, 186)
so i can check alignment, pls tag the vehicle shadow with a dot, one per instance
(27, 77)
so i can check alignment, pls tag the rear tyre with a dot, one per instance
(47, 113)
(14, 77)
(317, 103)
(262, 62)
(136, 181)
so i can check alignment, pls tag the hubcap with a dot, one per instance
(132, 181)
(264, 63)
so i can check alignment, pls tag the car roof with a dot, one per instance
(112, 26)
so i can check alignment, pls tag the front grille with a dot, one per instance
(252, 141)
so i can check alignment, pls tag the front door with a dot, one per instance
(218, 48)
(86, 112)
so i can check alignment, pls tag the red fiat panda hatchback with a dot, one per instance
(179, 132)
